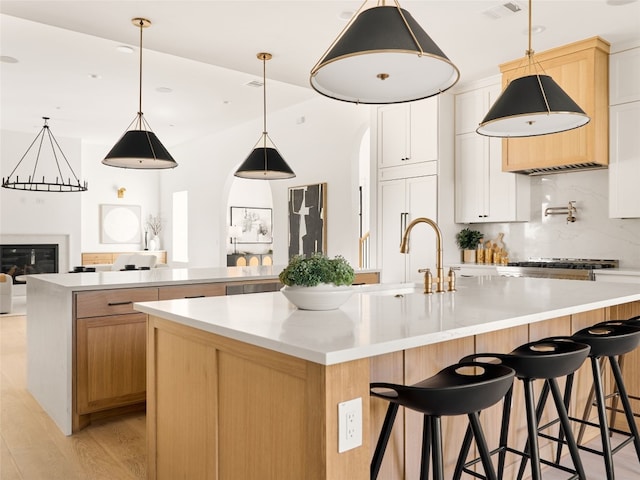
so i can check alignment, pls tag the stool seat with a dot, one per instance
(610, 338)
(456, 390)
(463, 388)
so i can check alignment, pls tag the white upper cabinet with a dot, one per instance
(483, 192)
(408, 133)
(624, 134)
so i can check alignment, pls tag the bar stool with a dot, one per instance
(462, 388)
(547, 359)
(609, 340)
(633, 321)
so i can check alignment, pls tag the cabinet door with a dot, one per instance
(111, 362)
(471, 177)
(471, 107)
(393, 215)
(393, 135)
(624, 77)
(423, 138)
(422, 201)
(195, 290)
(624, 169)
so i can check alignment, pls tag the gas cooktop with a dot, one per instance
(576, 263)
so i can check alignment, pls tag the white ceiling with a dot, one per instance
(205, 51)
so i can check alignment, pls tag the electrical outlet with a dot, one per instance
(349, 424)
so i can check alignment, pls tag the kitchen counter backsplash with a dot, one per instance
(592, 235)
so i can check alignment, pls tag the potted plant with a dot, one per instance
(317, 282)
(468, 241)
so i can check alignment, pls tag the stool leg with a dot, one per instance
(602, 418)
(614, 402)
(427, 435)
(542, 401)
(624, 398)
(566, 425)
(588, 406)
(436, 440)
(568, 388)
(483, 449)
(464, 452)
(383, 440)
(532, 429)
(504, 431)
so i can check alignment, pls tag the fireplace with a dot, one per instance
(26, 259)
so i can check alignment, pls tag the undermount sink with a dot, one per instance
(394, 289)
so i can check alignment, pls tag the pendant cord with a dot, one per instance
(264, 94)
(530, 51)
(140, 80)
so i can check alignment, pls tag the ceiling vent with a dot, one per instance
(254, 84)
(504, 10)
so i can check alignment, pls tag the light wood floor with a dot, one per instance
(33, 448)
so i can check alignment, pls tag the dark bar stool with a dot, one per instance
(548, 360)
(633, 321)
(463, 388)
(609, 340)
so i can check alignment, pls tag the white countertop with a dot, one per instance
(371, 322)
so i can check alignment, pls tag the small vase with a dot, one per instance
(154, 243)
(469, 256)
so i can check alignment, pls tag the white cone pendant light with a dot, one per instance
(383, 56)
(139, 148)
(264, 162)
(532, 105)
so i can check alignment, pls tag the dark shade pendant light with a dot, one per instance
(264, 162)
(139, 148)
(31, 183)
(532, 105)
(383, 56)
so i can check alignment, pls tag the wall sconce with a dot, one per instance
(569, 210)
(121, 191)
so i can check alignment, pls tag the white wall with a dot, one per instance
(40, 213)
(592, 235)
(143, 189)
(320, 139)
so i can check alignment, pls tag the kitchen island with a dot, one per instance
(86, 346)
(249, 387)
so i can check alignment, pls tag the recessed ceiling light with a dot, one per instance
(124, 49)
(164, 90)
(535, 30)
(8, 59)
(95, 76)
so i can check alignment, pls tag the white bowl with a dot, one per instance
(322, 297)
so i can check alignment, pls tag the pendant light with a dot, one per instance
(264, 162)
(383, 56)
(139, 148)
(532, 105)
(31, 183)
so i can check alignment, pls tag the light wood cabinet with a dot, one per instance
(582, 70)
(408, 133)
(624, 155)
(105, 258)
(195, 290)
(483, 192)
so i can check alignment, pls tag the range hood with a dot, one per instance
(582, 70)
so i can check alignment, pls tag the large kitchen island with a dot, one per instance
(248, 387)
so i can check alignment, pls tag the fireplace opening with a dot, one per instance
(19, 260)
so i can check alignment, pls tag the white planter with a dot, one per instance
(322, 297)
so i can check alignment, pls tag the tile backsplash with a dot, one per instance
(592, 235)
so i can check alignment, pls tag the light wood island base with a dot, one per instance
(221, 409)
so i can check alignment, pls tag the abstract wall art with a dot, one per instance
(307, 219)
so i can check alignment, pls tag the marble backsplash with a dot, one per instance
(592, 235)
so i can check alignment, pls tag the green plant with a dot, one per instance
(316, 269)
(468, 239)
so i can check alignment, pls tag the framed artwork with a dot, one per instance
(120, 224)
(255, 225)
(307, 219)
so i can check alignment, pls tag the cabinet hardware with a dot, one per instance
(195, 296)
(114, 304)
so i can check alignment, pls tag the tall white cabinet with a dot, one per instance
(624, 134)
(407, 152)
(483, 192)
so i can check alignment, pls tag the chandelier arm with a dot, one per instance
(55, 157)
(53, 138)
(35, 164)
(25, 153)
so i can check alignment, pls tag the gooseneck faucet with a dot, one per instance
(404, 248)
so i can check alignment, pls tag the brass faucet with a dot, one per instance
(404, 248)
